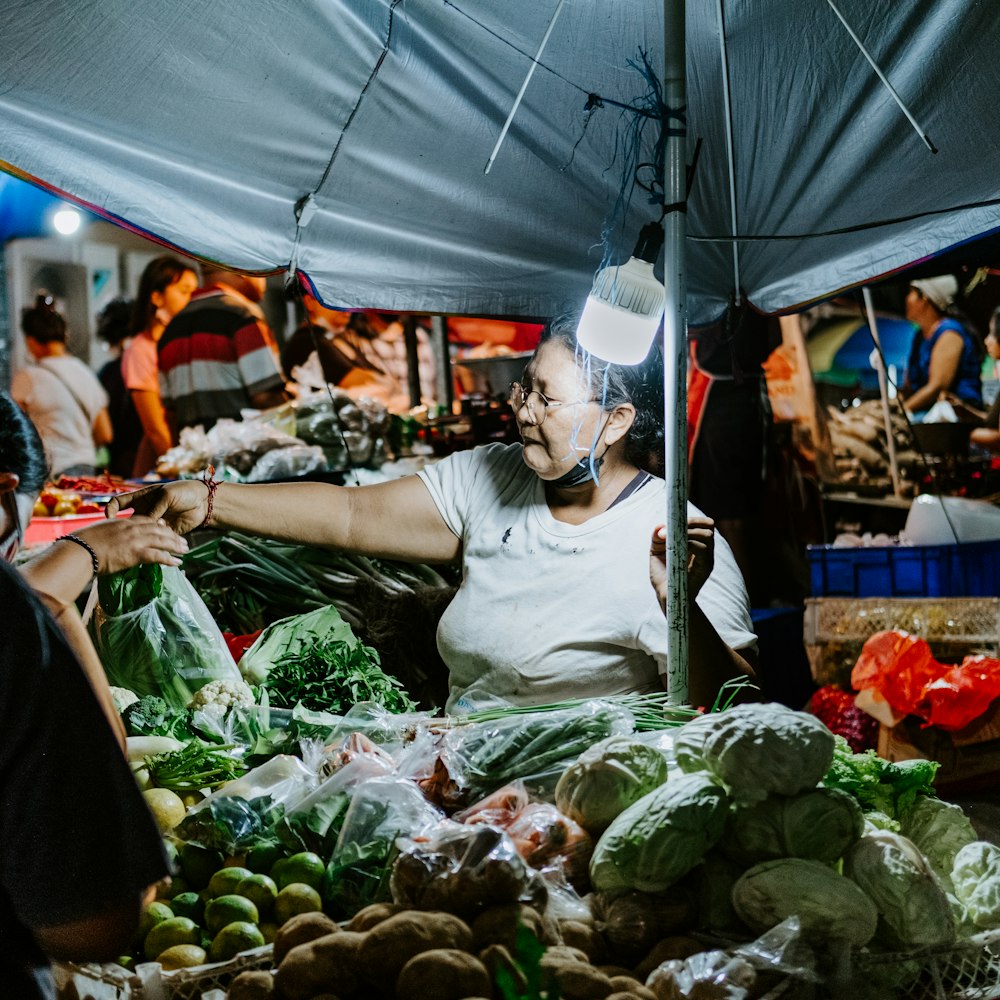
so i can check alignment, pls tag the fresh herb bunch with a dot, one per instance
(333, 675)
(193, 767)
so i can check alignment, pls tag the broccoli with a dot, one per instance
(151, 716)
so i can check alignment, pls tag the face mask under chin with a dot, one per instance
(584, 471)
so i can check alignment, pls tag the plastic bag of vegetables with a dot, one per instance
(244, 812)
(381, 809)
(462, 870)
(156, 637)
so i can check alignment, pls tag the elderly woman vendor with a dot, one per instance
(558, 538)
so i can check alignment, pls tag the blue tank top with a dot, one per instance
(967, 385)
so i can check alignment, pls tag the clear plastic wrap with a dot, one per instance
(315, 822)
(545, 838)
(476, 758)
(498, 809)
(777, 959)
(462, 870)
(242, 813)
(381, 810)
(287, 463)
(155, 636)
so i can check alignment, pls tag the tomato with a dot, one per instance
(88, 508)
(49, 499)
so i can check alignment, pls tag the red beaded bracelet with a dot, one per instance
(212, 485)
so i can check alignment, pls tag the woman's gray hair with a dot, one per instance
(612, 385)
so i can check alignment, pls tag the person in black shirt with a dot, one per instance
(78, 847)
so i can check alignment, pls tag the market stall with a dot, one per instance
(327, 833)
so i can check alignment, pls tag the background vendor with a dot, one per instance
(946, 355)
(554, 536)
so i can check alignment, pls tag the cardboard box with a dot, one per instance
(969, 757)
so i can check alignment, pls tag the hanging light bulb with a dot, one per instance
(66, 220)
(625, 306)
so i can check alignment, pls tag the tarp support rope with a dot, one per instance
(885, 80)
(730, 156)
(524, 87)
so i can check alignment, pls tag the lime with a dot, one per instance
(304, 867)
(269, 931)
(261, 859)
(190, 905)
(261, 890)
(151, 915)
(181, 956)
(167, 933)
(178, 886)
(234, 938)
(166, 807)
(229, 909)
(198, 864)
(295, 898)
(126, 962)
(225, 881)
(276, 870)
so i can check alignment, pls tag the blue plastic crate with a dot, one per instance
(969, 570)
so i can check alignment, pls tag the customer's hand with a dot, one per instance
(183, 505)
(701, 557)
(126, 542)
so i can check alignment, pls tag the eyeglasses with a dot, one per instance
(537, 403)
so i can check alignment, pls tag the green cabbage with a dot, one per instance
(661, 837)
(827, 904)
(912, 904)
(939, 830)
(819, 823)
(976, 877)
(606, 779)
(757, 749)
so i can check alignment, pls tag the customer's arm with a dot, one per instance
(395, 520)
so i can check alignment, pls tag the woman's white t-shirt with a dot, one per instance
(64, 419)
(548, 611)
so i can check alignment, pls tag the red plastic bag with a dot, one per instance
(899, 666)
(962, 694)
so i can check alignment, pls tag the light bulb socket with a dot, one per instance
(650, 242)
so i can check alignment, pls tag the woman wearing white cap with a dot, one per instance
(945, 356)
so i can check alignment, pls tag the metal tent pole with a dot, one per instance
(883, 390)
(675, 348)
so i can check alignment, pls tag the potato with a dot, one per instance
(577, 934)
(251, 986)
(628, 995)
(442, 974)
(301, 929)
(496, 958)
(391, 944)
(499, 925)
(578, 981)
(374, 913)
(560, 954)
(632, 986)
(665, 951)
(615, 970)
(328, 964)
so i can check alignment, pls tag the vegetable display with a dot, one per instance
(156, 637)
(315, 660)
(248, 583)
